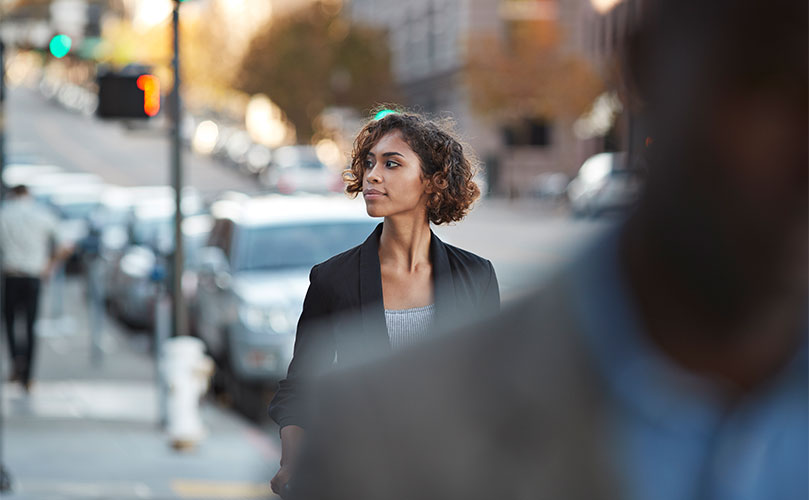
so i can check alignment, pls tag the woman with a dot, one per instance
(412, 172)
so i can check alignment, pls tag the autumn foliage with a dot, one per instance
(528, 72)
(314, 59)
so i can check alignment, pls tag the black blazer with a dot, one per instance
(510, 408)
(343, 318)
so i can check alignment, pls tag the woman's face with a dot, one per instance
(393, 183)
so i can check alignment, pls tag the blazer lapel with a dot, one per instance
(444, 288)
(371, 301)
(371, 298)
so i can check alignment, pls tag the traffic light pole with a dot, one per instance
(179, 319)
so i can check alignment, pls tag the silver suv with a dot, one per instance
(253, 276)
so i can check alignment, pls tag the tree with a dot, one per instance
(314, 59)
(207, 60)
(37, 9)
(528, 74)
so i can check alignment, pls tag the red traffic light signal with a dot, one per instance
(150, 86)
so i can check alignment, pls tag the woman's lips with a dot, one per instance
(372, 194)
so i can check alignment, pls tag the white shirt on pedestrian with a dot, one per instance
(27, 232)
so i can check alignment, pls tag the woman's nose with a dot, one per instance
(373, 175)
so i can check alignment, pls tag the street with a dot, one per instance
(189, 300)
(91, 431)
(524, 239)
(47, 133)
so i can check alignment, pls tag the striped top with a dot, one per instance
(407, 327)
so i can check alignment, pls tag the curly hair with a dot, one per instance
(444, 163)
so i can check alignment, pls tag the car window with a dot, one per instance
(297, 245)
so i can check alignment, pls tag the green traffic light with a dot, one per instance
(60, 45)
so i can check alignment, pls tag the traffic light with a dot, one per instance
(60, 45)
(150, 86)
(128, 96)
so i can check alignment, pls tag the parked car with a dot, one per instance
(21, 173)
(129, 279)
(144, 269)
(114, 214)
(148, 237)
(297, 169)
(253, 276)
(605, 183)
(45, 184)
(117, 217)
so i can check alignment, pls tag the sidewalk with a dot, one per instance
(89, 432)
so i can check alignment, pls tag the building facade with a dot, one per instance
(431, 44)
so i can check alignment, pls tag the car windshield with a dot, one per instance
(299, 245)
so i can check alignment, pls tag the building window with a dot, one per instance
(527, 132)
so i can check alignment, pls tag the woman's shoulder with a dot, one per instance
(465, 258)
(336, 267)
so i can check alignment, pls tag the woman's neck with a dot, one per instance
(405, 243)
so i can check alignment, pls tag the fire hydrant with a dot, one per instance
(186, 371)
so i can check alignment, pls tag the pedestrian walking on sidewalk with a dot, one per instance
(412, 172)
(30, 250)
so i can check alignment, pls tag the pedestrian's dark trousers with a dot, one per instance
(21, 296)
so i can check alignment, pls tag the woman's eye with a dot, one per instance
(369, 164)
(391, 164)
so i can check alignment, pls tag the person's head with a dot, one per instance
(722, 89)
(404, 163)
(19, 191)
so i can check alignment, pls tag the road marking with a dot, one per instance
(191, 488)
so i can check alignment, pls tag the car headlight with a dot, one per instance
(272, 319)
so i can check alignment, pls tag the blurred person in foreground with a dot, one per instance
(412, 171)
(669, 361)
(28, 237)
